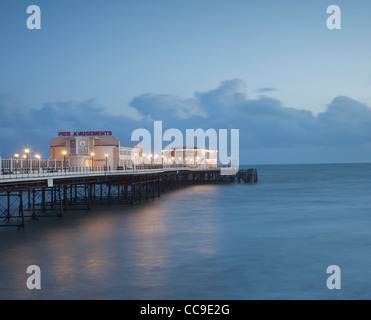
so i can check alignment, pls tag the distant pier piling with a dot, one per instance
(247, 176)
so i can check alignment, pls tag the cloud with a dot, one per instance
(156, 106)
(14, 114)
(266, 89)
(346, 121)
(229, 94)
(22, 126)
(264, 123)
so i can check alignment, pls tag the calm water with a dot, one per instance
(273, 240)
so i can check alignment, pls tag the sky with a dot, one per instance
(297, 91)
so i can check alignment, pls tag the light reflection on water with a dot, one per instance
(273, 240)
(119, 252)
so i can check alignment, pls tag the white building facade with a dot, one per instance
(190, 157)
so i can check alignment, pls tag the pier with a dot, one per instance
(248, 176)
(52, 193)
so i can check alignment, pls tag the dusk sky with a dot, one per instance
(297, 91)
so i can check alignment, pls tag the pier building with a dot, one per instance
(93, 149)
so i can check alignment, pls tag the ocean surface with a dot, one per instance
(272, 240)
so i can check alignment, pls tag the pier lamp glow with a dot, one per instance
(16, 157)
(92, 159)
(64, 152)
(106, 155)
(27, 151)
(136, 160)
(37, 156)
(149, 156)
(208, 162)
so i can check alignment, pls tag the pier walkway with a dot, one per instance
(43, 193)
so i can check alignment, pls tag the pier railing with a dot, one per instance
(12, 169)
(23, 165)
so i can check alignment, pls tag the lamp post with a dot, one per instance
(16, 163)
(27, 151)
(106, 155)
(64, 152)
(92, 160)
(155, 157)
(150, 158)
(135, 161)
(38, 165)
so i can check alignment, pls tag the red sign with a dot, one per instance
(84, 133)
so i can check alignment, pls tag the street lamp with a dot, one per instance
(64, 152)
(150, 158)
(27, 151)
(106, 155)
(92, 160)
(38, 158)
(135, 161)
(16, 163)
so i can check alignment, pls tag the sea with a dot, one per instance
(273, 240)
